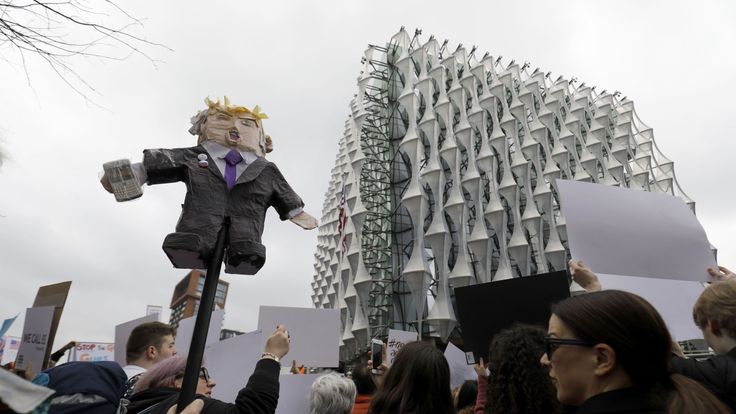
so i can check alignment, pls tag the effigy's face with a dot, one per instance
(241, 131)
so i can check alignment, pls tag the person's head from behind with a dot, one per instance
(418, 381)
(149, 344)
(519, 383)
(332, 394)
(715, 314)
(170, 374)
(467, 394)
(363, 380)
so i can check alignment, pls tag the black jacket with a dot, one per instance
(623, 401)
(208, 199)
(260, 395)
(717, 373)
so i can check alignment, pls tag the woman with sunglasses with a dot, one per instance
(159, 388)
(609, 352)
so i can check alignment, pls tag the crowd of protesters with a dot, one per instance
(606, 351)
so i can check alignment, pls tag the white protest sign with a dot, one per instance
(315, 333)
(396, 340)
(186, 329)
(122, 332)
(93, 351)
(460, 371)
(9, 346)
(673, 299)
(620, 231)
(294, 393)
(231, 362)
(35, 338)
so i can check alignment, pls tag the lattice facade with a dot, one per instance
(444, 177)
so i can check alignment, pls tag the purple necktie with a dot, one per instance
(232, 159)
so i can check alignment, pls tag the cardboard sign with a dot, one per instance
(231, 362)
(93, 351)
(294, 393)
(315, 333)
(9, 346)
(35, 340)
(122, 332)
(396, 340)
(186, 330)
(52, 295)
(460, 371)
(485, 309)
(673, 299)
(620, 231)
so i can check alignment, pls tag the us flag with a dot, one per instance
(341, 219)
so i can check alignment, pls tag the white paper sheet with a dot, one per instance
(396, 340)
(122, 332)
(673, 299)
(35, 338)
(622, 231)
(231, 362)
(294, 393)
(186, 329)
(315, 333)
(460, 371)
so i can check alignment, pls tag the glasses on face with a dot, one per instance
(203, 374)
(551, 344)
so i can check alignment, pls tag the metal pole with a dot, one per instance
(202, 323)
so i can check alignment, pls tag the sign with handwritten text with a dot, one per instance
(396, 340)
(93, 351)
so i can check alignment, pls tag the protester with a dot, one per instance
(159, 387)
(148, 344)
(609, 352)
(715, 314)
(417, 382)
(365, 388)
(519, 384)
(331, 394)
(466, 395)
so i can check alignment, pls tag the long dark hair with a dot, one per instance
(518, 382)
(636, 332)
(417, 382)
(467, 394)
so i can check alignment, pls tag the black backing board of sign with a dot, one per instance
(485, 309)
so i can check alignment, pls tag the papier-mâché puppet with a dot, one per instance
(226, 175)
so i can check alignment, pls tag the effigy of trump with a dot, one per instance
(226, 175)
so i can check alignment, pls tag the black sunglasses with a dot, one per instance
(551, 344)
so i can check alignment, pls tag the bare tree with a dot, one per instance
(58, 31)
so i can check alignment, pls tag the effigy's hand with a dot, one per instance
(305, 221)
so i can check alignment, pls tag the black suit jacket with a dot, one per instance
(208, 200)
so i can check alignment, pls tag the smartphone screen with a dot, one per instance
(377, 354)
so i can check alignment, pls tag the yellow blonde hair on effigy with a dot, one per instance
(228, 108)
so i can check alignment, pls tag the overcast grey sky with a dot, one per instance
(299, 61)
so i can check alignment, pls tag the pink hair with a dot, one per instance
(163, 374)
